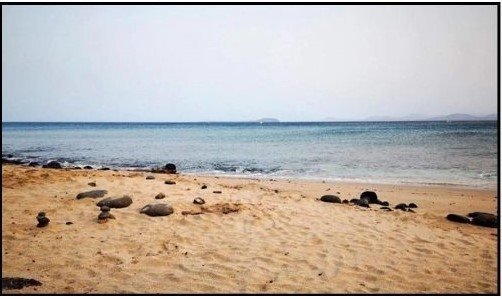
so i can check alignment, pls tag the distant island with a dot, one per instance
(267, 120)
(421, 117)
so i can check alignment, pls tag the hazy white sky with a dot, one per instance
(211, 63)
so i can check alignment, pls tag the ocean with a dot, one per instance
(443, 153)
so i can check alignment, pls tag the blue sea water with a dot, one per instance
(463, 153)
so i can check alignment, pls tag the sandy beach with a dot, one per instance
(256, 236)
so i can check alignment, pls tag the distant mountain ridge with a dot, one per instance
(422, 117)
(267, 120)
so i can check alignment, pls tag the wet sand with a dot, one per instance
(256, 236)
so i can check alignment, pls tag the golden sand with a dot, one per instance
(257, 236)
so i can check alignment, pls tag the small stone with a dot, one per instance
(53, 164)
(92, 184)
(92, 194)
(401, 206)
(330, 198)
(412, 205)
(169, 182)
(203, 187)
(199, 201)
(217, 192)
(42, 220)
(150, 177)
(160, 195)
(69, 223)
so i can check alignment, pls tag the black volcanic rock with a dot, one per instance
(331, 198)
(371, 196)
(53, 164)
(485, 219)
(16, 283)
(458, 218)
(92, 194)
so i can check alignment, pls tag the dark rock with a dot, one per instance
(104, 168)
(385, 203)
(363, 202)
(476, 214)
(412, 205)
(11, 161)
(401, 206)
(17, 283)
(104, 208)
(410, 210)
(150, 177)
(217, 192)
(370, 195)
(331, 198)
(105, 215)
(170, 168)
(168, 182)
(87, 167)
(53, 164)
(160, 195)
(203, 187)
(345, 201)
(386, 208)
(92, 184)
(160, 209)
(116, 203)
(69, 223)
(458, 218)
(33, 164)
(77, 167)
(92, 194)
(485, 219)
(354, 200)
(42, 220)
(199, 201)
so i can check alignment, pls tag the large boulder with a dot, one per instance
(92, 194)
(331, 198)
(371, 196)
(116, 203)
(458, 218)
(53, 164)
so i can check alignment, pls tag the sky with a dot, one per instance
(240, 63)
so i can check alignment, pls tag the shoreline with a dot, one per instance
(256, 236)
(260, 176)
